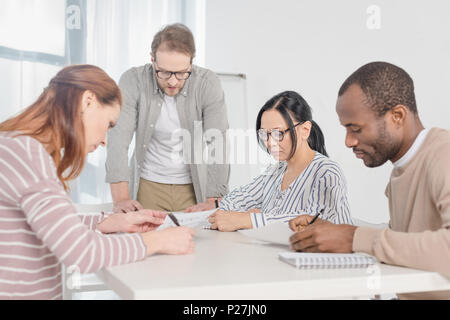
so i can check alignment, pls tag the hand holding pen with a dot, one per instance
(173, 218)
(301, 222)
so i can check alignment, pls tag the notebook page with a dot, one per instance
(194, 219)
(191, 219)
(276, 232)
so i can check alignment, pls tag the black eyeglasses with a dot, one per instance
(277, 135)
(165, 75)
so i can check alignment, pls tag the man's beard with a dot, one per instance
(385, 148)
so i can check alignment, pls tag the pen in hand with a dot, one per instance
(315, 217)
(173, 218)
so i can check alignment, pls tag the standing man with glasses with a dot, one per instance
(169, 104)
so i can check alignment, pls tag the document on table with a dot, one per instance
(277, 232)
(190, 219)
(304, 260)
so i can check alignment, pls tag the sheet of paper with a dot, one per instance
(191, 219)
(277, 232)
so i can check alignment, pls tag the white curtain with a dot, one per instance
(24, 40)
(118, 36)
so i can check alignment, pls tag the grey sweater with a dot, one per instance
(201, 108)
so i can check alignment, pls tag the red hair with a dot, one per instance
(54, 119)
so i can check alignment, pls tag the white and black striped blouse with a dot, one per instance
(320, 186)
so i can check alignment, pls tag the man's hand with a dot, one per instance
(139, 221)
(301, 222)
(209, 204)
(324, 237)
(127, 206)
(230, 220)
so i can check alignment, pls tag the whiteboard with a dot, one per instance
(235, 90)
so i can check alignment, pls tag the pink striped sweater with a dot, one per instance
(40, 229)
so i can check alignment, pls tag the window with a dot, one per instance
(38, 38)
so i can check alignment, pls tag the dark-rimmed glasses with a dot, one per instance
(277, 135)
(180, 75)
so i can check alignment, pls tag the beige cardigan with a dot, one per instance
(419, 203)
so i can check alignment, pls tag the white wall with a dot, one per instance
(312, 46)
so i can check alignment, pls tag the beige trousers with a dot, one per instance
(165, 197)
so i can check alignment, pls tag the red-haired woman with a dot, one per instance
(40, 150)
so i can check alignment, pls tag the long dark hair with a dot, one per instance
(290, 103)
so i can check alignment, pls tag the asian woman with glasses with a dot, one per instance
(304, 181)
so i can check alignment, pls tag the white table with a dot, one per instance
(228, 265)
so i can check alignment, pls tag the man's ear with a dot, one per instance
(399, 114)
(152, 57)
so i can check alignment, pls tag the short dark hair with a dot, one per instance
(385, 86)
(177, 37)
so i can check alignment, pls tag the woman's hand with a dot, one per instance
(301, 222)
(209, 204)
(174, 240)
(138, 221)
(127, 206)
(230, 220)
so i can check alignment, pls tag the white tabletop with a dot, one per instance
(228, 265)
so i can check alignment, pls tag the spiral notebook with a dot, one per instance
(303, 260)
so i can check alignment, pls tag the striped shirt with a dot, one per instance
(320, 186)
(40, 229)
